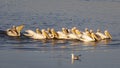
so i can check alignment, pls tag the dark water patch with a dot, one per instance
(15, 42)
(28, 49)
(41, 49)
(2, 47)
(116, 40)
(114, 44)
(2, 32)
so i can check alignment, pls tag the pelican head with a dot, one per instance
(73, 30)
(108, 34)
(74, 27)
(98, 30)
(54, 33)
(48, 30)
(64, 30)
(91, 31)
(86, 29)
(78, 32)
(15, 30)
(38, 31)
(45, 34)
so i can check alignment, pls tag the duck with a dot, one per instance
(75, 57)
(104, 36)
(15, 31)
(34, 35)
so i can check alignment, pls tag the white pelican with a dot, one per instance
(59, 34)
(73, 34)
(54, 34)
(106, 34)
(87, 32)
(65, 31)
(45, 34)
(48, 31)
(78, 33)
(89, 38)
(62, 35)
(73, 30)
(86, 38)
(34, 35)
(38, 31)
(15, 30)
(95, 36)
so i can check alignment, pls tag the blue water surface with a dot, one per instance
(28, 53)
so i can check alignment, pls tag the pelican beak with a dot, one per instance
(45, 34)
(94, 36)
(19, 28)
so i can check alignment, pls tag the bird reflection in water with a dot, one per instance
(107, 41)
(54, 42)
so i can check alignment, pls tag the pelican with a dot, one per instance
(15, 30)
(45, 34)
(89, 38)
(38, 31)
(73, 34)
(62, 36)
(106, 34)
(48, 31)
(65, 31)
(34, 35)
(87, 32)
(54, 34)
(78, 33)
(59, 34)
(73, 30)
(86, 38)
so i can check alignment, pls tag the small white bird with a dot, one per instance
(75, 57)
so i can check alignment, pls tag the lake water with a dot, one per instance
(28, 53)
